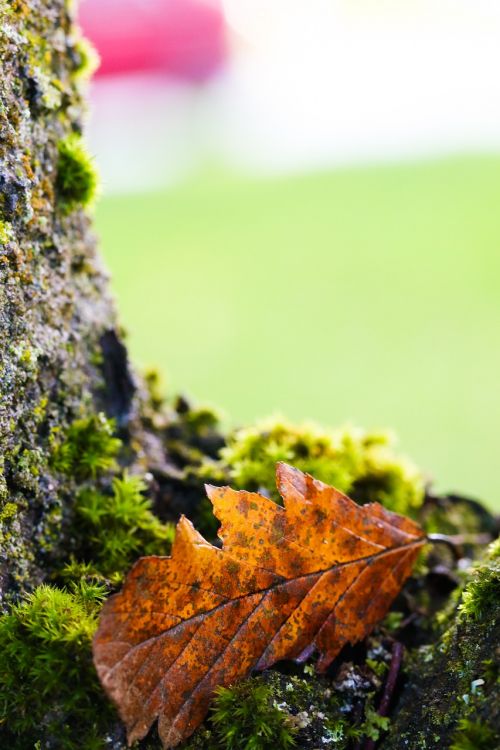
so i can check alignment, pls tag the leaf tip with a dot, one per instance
(186, 534)
(289, 479)
(211, 489)
(215, 494)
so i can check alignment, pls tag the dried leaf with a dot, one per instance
(316, 574)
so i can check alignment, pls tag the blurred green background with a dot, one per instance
(367, 296)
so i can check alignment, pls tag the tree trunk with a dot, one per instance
(74, 418)
(61, 353)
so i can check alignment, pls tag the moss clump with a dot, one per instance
(8, 511)
(48, 687)
(373, 725)
(8, 524)
(113, 529)
(474, 735)
(482, 592)
(86, 59)
(5, 232)
(494, 550)
(245, 717)
(307, 712)
(192, 435)
(76, 181)
(359, 463)
(86, 449)
(112, 523)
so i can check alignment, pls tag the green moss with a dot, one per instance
(40, 409)
(342, 731)
(494, 550)
(359, 463)
(315, 710)
(5, 232)
(28, 465)
(86, 59)
(491, 673)
(192, 436)
(48, 688)
(373, 725)
(392, 621)
(112, 530)
(8, 512)
(245, 717)
(201, 421)
(8, 523)
(455, 678)
(76, 181)
(482, 592)
(474, 735)
(379, 667)
(87, 448)
(155, 388)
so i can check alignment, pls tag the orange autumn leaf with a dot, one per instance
(314, 575)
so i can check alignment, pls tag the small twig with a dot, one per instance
(456, 541)
(383, 709)
(397, 658)
(449, 541)
(408, 620)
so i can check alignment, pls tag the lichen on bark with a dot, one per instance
(61, 354)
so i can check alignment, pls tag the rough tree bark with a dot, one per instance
(63, 361)
(61, 352)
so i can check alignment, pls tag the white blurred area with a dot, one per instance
(311, 84)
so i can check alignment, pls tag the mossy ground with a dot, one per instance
(48, 686)
(114, 522)
(452, 698)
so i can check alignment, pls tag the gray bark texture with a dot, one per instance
(61, 353)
